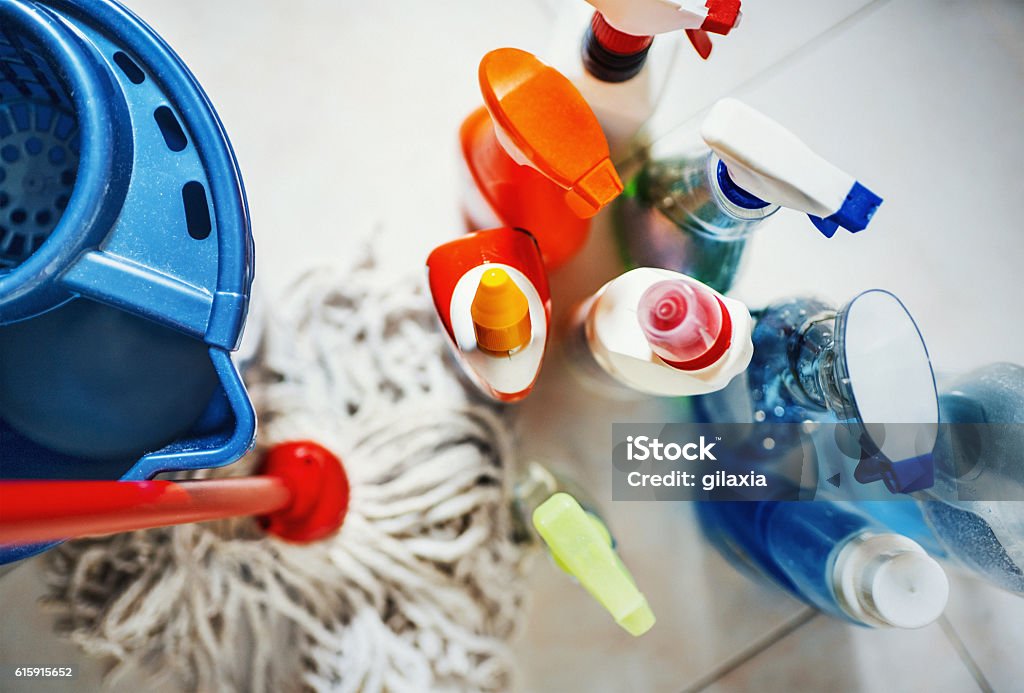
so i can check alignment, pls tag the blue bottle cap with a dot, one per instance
(734, 193)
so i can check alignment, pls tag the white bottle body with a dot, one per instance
(616, 342)
(622, 108)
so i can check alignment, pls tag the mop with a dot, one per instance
(420, 590)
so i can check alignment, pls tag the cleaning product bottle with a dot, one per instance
(580, 543)
(835, 559)
(611, 67)
(490, 290)
(536, 156)
(659, 332)
(865, 366)
(694, 214)
(977, 506)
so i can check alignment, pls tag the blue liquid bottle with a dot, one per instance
(694, 214)
(979, 472)
(836, 559)
(672, 215)
(813, 363)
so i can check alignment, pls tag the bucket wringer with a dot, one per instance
(126, 256)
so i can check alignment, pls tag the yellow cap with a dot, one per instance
(582, 546)
(501, 314)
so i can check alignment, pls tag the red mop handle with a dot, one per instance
(37, 511)
(303, 496)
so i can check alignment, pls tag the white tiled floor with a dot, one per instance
(344, 115)
(824, 655)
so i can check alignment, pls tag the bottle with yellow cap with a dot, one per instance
(536, 156)
(490, 291)
(579, 542)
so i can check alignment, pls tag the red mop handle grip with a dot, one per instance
(302, 497)
(39, 511)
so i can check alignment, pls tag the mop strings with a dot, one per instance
(419, 591)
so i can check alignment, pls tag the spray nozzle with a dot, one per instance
(501, 314)
(625, 27)
(543, 122)
(763, 163)
(650, 17)
(582, 547)
(685, 323)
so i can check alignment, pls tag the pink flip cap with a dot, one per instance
(685, 324)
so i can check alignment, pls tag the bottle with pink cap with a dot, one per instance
(659, 332)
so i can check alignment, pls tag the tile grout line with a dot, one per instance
(789, 627)
(965, 655)
(807, 46)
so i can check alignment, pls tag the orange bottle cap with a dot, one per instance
(501, 314)
(545, 123)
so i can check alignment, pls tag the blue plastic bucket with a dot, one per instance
(126, 256)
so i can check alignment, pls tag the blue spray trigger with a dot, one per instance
(828, 227)
(855, 214)
(904, 476)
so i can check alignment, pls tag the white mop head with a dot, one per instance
(421, 588)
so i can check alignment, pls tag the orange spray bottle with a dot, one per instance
(536, 155)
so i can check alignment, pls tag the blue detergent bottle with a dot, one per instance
(694, 214)
(974, 516)
(976, 509)
(863, 371)
(832, 557)
(126, 256)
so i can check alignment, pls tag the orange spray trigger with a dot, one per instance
(501, 314)
(594, 190)
(543, 122)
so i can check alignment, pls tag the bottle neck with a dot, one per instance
(611, 55)
(686, 190)
(733, 200)
(535, 486)
(813, 354)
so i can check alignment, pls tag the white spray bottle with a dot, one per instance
(660, 333)
(694, 213)
(611, 67)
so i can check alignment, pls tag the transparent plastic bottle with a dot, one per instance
(813, 363)
(977, 464)
(694, 213)
(674, 215)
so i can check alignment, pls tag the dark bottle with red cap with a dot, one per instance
(609, 67)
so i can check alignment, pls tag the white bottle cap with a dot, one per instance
(763, 162)
(887, 580)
